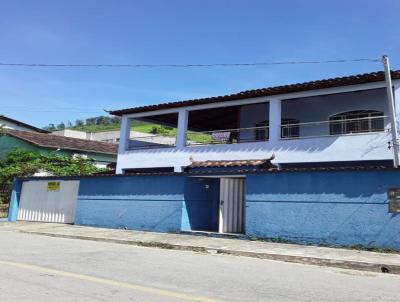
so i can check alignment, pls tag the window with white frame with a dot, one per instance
(358, 121)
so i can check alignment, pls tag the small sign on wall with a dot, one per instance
(53, 186)
(394, 200)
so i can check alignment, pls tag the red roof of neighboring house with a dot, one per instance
(62, 142)
(33, 128)
(313, 85)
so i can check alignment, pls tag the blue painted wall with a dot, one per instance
(334, 208)
(200, 209)
(14, 201)
(152, 203)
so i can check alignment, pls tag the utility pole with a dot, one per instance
(392, 110)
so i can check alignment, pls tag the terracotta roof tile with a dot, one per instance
(313, 85)
(263, 163)
(62, 142)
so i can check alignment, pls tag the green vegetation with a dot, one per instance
(96, 128)
(23, 163)
(92, 124)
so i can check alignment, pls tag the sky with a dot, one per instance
(177, 32)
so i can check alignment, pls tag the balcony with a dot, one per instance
(326, 128)
(263, 122)
(290, 129)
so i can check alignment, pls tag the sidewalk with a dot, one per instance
(323, 256)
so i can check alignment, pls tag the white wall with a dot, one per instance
(113, 136)
(323, 149)
(70, 133)
(10, 125)
(103, 136)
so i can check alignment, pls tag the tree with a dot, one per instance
(91, 121)
(61, 126)
(50, 127)
(24, 163)
(79, 123)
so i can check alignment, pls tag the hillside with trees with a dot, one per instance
(107, 123)
(92, 124)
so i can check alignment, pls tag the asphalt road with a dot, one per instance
(39, 268)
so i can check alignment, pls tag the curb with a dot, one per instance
(345, 264)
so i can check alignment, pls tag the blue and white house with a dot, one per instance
(308, 163)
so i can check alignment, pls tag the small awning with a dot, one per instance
(264, 164)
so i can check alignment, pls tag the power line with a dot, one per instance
(52, 111)
(47, 108)
(189, 65)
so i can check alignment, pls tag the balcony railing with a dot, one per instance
(334, 127)
(228, 136)
(261, 133)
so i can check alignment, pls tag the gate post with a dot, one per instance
(14, 202)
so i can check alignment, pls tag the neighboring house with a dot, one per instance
(9, 123)
(70, 133)
(338, 121)
(102, 136)
(104, 154)
(112, 136)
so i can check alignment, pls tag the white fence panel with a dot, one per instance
(48, 200)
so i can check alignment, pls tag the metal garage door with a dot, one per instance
(231, 210)
(48, 201)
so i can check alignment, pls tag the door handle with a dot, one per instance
(221, 202)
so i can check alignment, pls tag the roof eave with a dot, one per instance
(59, 147)
(22, 124)
(367, 78)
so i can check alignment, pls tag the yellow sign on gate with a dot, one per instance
(53, 186)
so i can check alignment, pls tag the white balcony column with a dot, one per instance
(181, 135)
(124, 134)
(396, 95)
(275, 115)
(123, 140)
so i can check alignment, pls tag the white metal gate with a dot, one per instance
(231, 209)
(48, 201)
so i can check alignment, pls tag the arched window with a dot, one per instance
(290, 128)
(359, 121)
